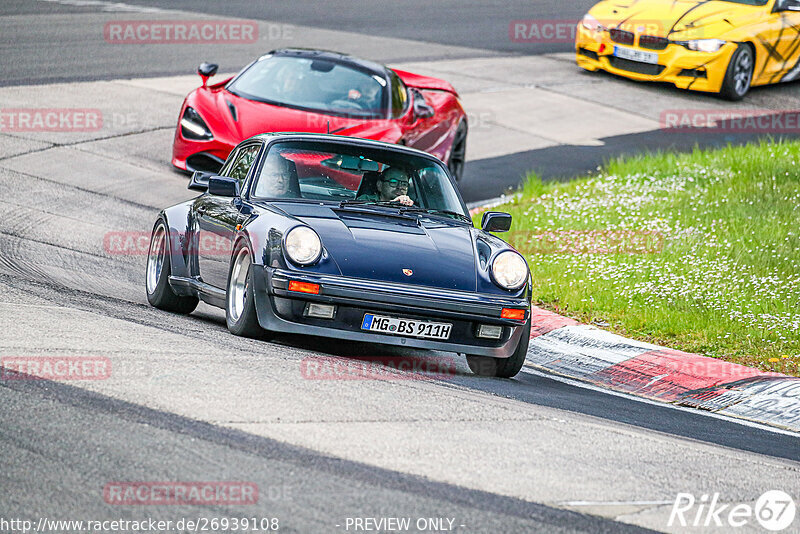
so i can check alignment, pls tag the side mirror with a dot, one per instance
(495, 221)
(199, 181)
(422, 110)
(206, 71)
(786, 5)
(222, 186)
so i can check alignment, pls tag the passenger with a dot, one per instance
(392, 186)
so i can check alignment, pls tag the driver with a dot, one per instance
(367, 95)
(276, 178)
(392, 187)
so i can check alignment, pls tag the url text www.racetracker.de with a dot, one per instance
(199, 524)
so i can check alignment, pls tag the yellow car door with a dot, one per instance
(779, 44)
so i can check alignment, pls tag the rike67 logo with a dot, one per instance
(775, 511)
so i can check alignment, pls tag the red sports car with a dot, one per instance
(299, 90)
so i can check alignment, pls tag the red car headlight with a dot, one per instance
(194, 127)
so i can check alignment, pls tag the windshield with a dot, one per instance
(313, 84)
(338, 172)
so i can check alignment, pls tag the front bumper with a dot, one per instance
(280, 310)
(194, 155)
(686, 69)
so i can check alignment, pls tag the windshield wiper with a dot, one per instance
(349, 202)
(381, 203)
(414, 209)
(371, 203)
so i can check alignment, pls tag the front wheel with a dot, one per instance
(240, 309)
(159, 268)
(502, 367)
(739, 75)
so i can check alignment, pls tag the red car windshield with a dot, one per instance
(318, 85)
(337, 172)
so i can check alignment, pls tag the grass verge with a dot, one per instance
(699, 252)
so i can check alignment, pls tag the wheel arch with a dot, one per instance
(176, 220)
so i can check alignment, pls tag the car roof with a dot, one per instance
(337, 57)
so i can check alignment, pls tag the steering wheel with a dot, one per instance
(345, 104)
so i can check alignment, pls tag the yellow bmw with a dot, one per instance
(717, 46)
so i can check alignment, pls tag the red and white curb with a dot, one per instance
(565, 347)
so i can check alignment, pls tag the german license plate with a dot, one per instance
(406, 327)
(636, 55)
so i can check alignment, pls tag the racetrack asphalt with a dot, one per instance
(306, 491)
(189, 401)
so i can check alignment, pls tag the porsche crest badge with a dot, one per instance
(408, 272)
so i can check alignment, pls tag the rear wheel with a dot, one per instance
(159, 268)
(240, 309)
(502, 367)
(458, 154)
(739, 75)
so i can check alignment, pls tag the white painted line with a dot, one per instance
(25, 305)
(114, 7)
(592, 387)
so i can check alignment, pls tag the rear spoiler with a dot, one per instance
(425, 82)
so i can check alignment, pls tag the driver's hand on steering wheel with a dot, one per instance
(404, 199)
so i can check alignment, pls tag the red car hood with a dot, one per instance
(424, 82)
(257, 117)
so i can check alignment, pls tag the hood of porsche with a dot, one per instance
(381, 245)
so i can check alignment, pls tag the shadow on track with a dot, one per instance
(450, 370)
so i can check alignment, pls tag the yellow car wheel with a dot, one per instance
(739, 75)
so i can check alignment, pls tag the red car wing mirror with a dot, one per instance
(206, 71)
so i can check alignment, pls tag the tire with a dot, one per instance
(739, 75)
(502, 367)
(458, 153)
(159, 268)
(240, 302)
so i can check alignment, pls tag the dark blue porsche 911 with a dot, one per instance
(345, 238)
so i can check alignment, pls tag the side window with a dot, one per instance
(244, 160)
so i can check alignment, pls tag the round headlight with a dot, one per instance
(509, 270)
(303, 245)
